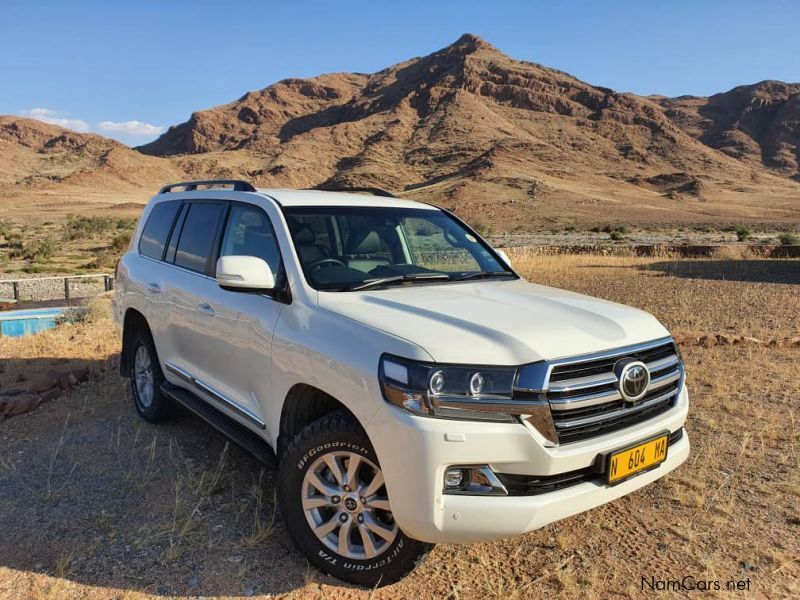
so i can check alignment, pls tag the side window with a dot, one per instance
(249, 232)
(157, 228)
(197, 236)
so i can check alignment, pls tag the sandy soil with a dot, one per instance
(95, 503)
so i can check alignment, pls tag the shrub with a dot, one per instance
(788, 238)
(88, 227)
(742, 232)
(616, 236)
(616, 227)
(37, 250)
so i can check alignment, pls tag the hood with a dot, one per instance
(496, 322)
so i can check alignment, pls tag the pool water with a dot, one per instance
(16, 323)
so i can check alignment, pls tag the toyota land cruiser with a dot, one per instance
(411, 387)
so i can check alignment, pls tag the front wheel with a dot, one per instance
(334, 502)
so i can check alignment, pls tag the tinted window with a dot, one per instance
(176, 231)
(249, 232)
(197, 236)
(156, 230)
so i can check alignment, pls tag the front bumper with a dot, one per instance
(414, 453)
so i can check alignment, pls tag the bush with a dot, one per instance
(616, 236)
(787, 238)
(121, 241)
(742, 233)
(77, 227)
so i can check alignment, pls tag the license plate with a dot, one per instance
(635, 459)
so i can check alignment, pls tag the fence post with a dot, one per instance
(66, 288)
(15, 285)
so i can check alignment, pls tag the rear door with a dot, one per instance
(168, 299)
(187, 259)
(234, 364)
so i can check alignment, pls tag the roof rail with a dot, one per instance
(369, 190)
(239, 185)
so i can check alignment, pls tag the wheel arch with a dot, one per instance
(303, 405)
(132, 322)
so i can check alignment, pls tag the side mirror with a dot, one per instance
(505, 258)
(244, 274)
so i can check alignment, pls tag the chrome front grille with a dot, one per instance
(584, 399)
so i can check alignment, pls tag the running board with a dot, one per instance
(236, 432)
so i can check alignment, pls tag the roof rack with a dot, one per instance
(239, 185)
(369, 190)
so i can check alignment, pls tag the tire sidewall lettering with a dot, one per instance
(322, 448)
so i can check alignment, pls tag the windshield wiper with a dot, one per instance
(395, 279)
(483, 275)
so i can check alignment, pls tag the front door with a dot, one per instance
(234, 363)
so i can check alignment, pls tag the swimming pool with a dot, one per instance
(16, 323)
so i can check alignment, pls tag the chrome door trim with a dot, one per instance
(216, 395)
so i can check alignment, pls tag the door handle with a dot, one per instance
(206, 309)
(154, 287)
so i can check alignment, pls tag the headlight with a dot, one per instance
(453, 391)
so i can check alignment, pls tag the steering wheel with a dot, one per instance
(318, 264)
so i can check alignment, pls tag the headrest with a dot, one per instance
(304, 235)
(365, 242)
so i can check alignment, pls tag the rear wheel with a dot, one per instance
(333, 498)
(146, 378)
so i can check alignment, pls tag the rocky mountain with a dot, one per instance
(758, 124)
(43, 155)
(47, 171)
(509, 143)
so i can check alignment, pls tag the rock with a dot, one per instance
(724, 339)
(747, 566)
(162, 590)
(46, 382)
(193, 581)
(708, 341)
(64, 382)
(50, 394)
(17, 404)
(82, 375)
(234, 559)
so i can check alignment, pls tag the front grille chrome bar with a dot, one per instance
(583, 395)
(621, 413)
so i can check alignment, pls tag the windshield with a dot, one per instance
(349, 248)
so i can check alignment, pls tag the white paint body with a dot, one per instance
(253, 350)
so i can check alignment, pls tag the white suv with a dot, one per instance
(412, 387)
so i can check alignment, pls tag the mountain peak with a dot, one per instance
(469, 43)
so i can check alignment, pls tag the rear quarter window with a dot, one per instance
(156, 230)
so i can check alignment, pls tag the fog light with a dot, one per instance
(437, 382)
(453, 479)
(476, 384)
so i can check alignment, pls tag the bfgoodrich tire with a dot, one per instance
(146, 378)
(333, 500)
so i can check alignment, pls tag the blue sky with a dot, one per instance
(130, 69)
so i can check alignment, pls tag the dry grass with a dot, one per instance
(154, 507)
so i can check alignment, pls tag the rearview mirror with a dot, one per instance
(505, 258)
(244, 274)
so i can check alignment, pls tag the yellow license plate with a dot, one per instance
(630, 461)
